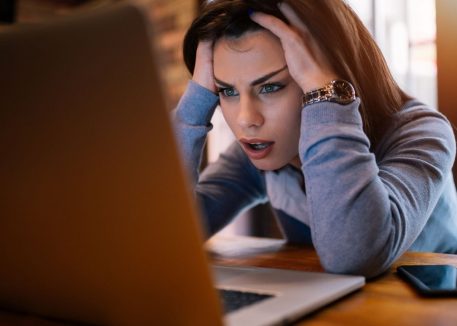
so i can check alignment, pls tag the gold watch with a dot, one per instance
(339, 91)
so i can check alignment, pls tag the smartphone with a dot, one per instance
(431, 280)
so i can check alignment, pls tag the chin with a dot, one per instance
(268, 165)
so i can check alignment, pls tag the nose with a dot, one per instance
(249, 114)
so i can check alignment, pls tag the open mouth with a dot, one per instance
(259, 146)
(257, 149)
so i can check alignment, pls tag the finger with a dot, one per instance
(203, 71)
(297, 23)
(273, 24)
(292, 17)
(287, 34)
(205, 49)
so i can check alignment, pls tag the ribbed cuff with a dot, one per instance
(331, 112)
(197, 105)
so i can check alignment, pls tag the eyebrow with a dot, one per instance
(255, 82)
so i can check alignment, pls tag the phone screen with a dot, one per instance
(431, 279)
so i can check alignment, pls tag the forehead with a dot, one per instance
(248, 57)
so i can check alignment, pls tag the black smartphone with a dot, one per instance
(431, 280)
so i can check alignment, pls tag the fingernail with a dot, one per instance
(250, 12)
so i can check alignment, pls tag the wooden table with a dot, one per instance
(386, 300)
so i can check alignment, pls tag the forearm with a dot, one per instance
(365, 213)
(227, 187)
(192, 123)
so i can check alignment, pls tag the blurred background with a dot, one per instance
(417, 37)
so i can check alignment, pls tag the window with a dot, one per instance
(405, 30)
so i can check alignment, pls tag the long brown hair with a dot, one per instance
(342, 37)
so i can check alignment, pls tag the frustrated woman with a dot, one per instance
(348, 161)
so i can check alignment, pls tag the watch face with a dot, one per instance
(344, 91)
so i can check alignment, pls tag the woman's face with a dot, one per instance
(259, 99)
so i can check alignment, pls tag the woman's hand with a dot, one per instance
(203, 71)
(306, 62)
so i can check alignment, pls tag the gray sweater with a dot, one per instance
(360, 210)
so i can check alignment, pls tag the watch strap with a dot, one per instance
(339, 91)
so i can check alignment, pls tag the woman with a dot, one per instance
(348, 161)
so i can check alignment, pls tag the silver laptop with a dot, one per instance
(97, 222)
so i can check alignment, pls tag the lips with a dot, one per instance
(257, 149)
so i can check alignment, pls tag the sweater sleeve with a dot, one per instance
(227, 186)
(367, 211)
(192, 122)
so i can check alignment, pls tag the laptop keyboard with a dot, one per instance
(233, 300)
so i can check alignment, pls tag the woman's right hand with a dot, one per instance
(306, 61)
(203, 71)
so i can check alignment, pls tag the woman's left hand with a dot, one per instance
(306, 62)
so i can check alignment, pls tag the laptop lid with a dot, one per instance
(96, 219)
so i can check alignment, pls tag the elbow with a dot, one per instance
(368, 267)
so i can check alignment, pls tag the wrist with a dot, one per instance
(338, 91)
(205, 83)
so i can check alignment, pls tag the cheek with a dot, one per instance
(229, 113)
(290, 110)
(288, 119)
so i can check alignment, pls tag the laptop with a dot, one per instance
(98, 224)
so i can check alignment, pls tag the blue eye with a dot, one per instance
(227, 92)
(270, 88)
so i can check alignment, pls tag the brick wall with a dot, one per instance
(171, 20)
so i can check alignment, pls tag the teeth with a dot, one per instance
(259, 146)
